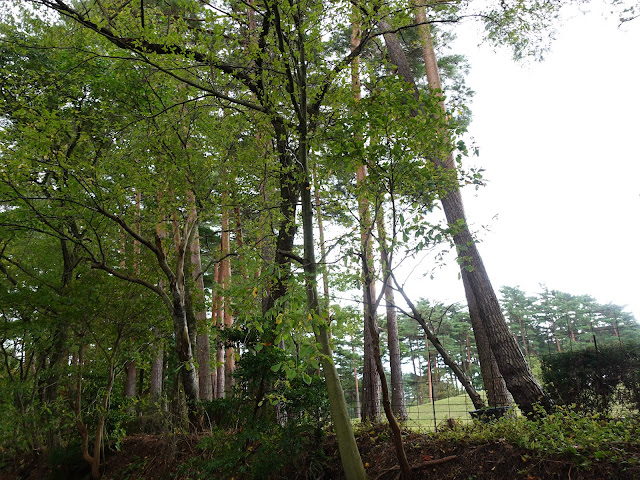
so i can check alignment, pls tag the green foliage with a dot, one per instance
(584, 437)
(595, 380)
(259, 451)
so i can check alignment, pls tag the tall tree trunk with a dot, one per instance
(494, 384)
(370, 378)
(323, 250)
(204, 355)
(349, 454)
(229, 355)
(513, 367)
(393, 340)
(429, 375)
(185, 337)
(157, 367)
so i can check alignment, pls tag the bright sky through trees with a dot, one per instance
(559, 144)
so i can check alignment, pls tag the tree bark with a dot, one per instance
(157, 367)
(349, 454)
(370, 379)
(494, 384)
(398, 405)
(205, 388)
(512, 365)
(130, 383)
(229, 356)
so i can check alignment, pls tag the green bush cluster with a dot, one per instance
(595, 379)
(586, 437)
(271, 426)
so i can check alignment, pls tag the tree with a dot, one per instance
(483, 303)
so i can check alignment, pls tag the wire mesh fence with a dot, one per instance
(434, 398)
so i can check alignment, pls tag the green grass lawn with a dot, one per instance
(457, 407)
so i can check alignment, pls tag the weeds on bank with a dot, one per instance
(585, 437)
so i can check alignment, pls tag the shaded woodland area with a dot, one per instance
(188, 189)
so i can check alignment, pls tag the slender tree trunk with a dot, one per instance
(355, 381)
(405, 469)
(204, 355)
(93, 459)
(185, 334)
(418, 394)
(220, 348)
(429, 376)
(215, 299)
(229, 355)
(349, 454)
(393, 341)
(370, 379)
(323, 250)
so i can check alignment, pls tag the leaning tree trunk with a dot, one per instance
(494, 384)
(513, 367)
(457, 370)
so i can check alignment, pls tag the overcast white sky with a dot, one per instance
(559, 143)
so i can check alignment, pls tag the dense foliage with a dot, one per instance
(604, 378)
(158, 265)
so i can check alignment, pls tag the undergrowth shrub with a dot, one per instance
(586, 437)
(595, 379)
(272, 426)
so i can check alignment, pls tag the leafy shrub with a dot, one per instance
(259, 451)
(584, 436)
(595, 379)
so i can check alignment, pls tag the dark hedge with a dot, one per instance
(595, 379)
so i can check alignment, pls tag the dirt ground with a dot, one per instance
(158, 457)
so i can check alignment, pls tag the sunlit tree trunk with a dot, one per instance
(229, 355)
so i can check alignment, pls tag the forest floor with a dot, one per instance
(163, 457)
